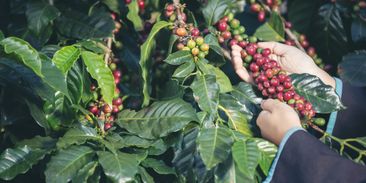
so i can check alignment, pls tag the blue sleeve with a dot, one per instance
(333, 115)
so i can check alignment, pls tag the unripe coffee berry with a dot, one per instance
(195, 51)
(200, 40)
(191, 44)
(181, 32)
(234, 23)
(204, 47)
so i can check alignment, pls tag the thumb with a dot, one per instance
(269, 105)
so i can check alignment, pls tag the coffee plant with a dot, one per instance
(143, 90)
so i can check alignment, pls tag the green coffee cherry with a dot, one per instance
(319, 121)
(191, 44)
(200, 41)
(241, 29)
(253, 39)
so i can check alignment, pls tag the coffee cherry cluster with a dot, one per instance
(270, 79)
(261, 13)
(196, 46)
(171, 15)
(309, 49)
(98, 107)
(231, 31)
(190, 38)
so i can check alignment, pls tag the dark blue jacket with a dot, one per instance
(302, 158)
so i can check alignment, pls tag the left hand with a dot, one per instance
(276, 119)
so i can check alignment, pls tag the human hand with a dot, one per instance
(291, 60)
(276, 119)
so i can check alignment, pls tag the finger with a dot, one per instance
(240, 69)
(262, 118)
(269, 105)
(236, 47)
(276, 48)
(235, 53)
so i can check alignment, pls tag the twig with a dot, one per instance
(340, 141)
(287, 31)
(178, 7)
(108, 53)
(294, 38)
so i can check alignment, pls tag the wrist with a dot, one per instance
(327, 79)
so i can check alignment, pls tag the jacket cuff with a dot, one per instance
(280, 149)
(333, 115)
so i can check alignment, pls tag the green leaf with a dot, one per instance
(228, 172)
(173, 38)
(18, 161)
(273, 30)
(134, 17)
(146, 177)
(323, 97)
(184, 70)
(120, 167)
(221, 79)
(25, 53)
(134, 141)
(112, 5)
(15, 161)
(236, 118)
(65, 165)
(353, 68)
(244, 92)
(184, 154)
(40, 15)
(212, 40)
(206, 92)
(100, 72)
(53, 76)
(179, 57)
(214, 145)
(145, 65)
(66, 57)
(85, 172)
(214, 10)
(301, 14)
(158, 120)
(158, 166)
(78, 135)
(268, 153)
(38, 115)
(77, 84)
(13, 72)
(216, 55)
(77, 25)
(171, 90)
(246, 156)
(358, 30)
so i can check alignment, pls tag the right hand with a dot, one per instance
(291, 60)
(276, 119)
